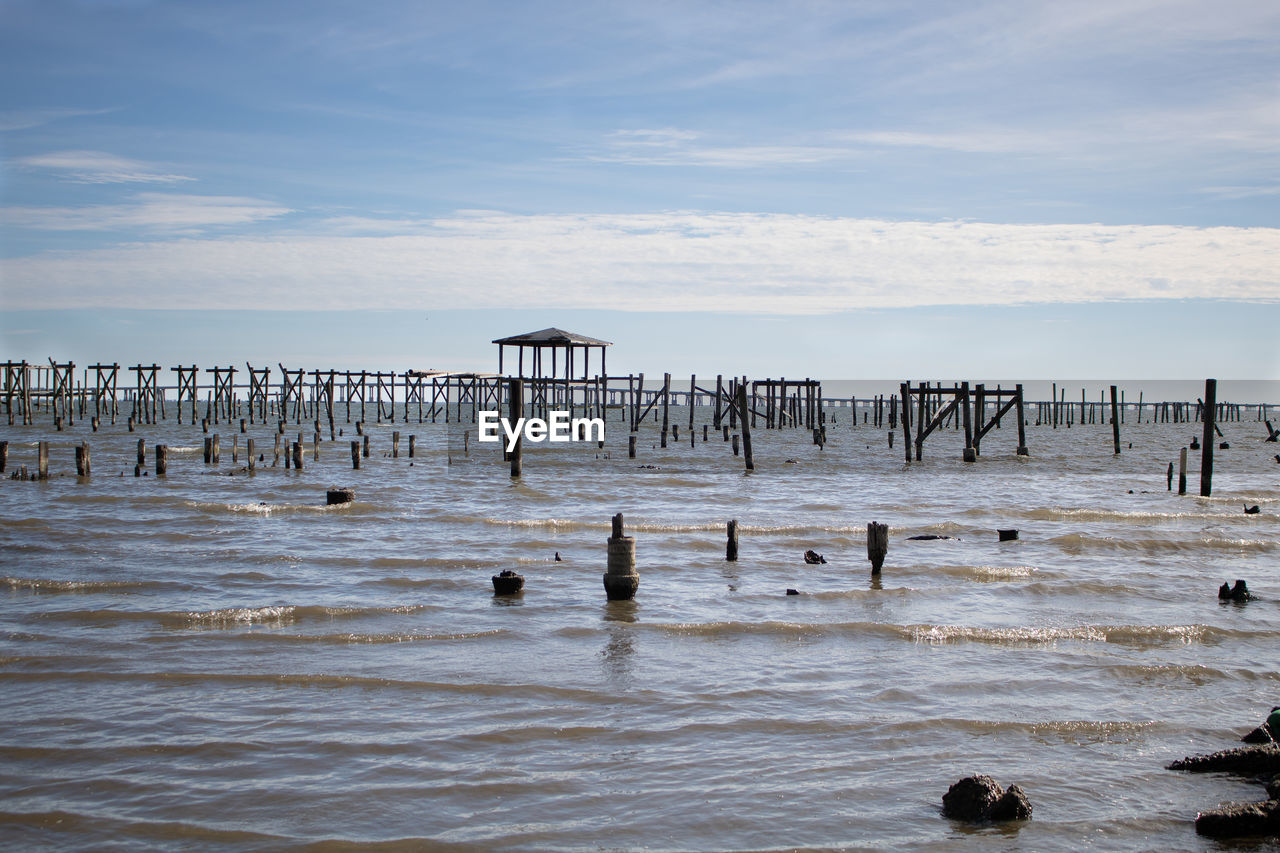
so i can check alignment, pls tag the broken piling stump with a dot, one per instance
(507, 582)
(621, 579)
(339, 496)
(877, 545)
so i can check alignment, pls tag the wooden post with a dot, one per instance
(162, 459)
(1182, 471)
(515, 411)
(1022, 431)
(395, 445)
(297, 455)
(1169, 478)
(208, 450)
(631, 446)
(746, 427)
(731, 547)
(1115, 421)
(1206, 450)
(217, 449)
(666, 405)
(4, 456)
(620, 578)
(906, 420)
(142, 452)
(970, 446)
(877, 545)
(366, 447)
(82, 459)
(737, 448)
(413, 445)
(355, 455)
(42, 460)
(248, 450)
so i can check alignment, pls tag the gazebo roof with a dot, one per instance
(552, 337)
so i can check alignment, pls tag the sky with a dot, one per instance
(845, 189)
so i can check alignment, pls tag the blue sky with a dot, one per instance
(827, 168)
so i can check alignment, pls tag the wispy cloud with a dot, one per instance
(149, 211)
(685, 261)
(27, 119)
(97, 167)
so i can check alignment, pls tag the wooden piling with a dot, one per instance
(631, 446)
(366, 447)
(248, 451)
(1115, 421)
(666, 406)
(142, 452)
(620, 577)
(877, 545)
(297, 455)
(731, 546)
(1206, 452)
(737, 448)
(82, 459)
(217, 449)
(42, 460)
(4, 456)
(746, 427)
(162, 460)
(413, 445)
(1182, 471)
(355, 455)
(395, 445)
(515, 411)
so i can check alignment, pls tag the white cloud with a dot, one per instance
(684, 261)
(97, 167)
(152, 211)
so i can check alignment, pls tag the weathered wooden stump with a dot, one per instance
(1007, 535)
(507, 582)
(877, 544)
(339, 496)
(731, 546)
(621, 580)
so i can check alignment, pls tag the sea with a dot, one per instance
(217, 659)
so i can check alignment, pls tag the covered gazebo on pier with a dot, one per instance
(575, 369)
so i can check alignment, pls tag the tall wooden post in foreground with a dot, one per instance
(1206, 444)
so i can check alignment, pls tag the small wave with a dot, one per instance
(49, 585)
(1074, 542)
(282, 614)
(943, 634)
(989, 573)
(366, 639)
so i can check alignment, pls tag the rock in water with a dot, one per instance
(971, 798)
(1014, 805)
(1238, 820)
(980, 798)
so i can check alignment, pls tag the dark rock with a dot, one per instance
(813, 558)
(1014, 805)
(971, 798)
(1007, 535)
(1239, 592)
(1237, 820)
(340, 496)
(793, 591)
(980, 798)
(1252, 510)
(1262, 760)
